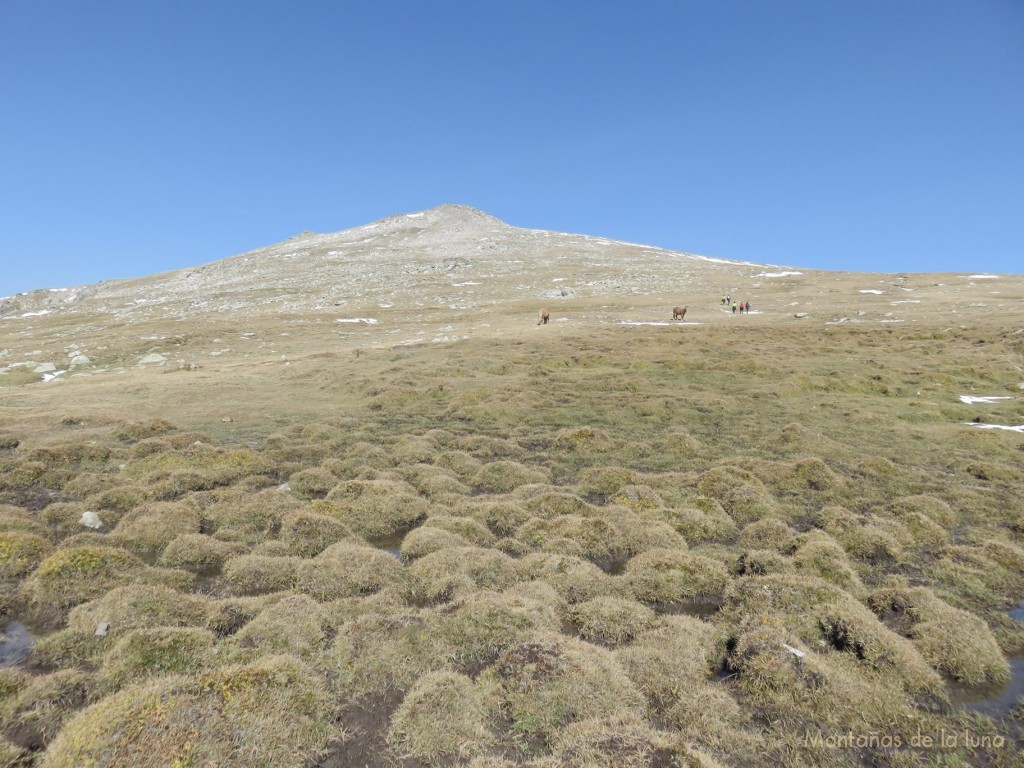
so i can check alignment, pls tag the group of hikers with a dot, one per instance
(742, 306)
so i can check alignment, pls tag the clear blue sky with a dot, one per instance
(142, 136)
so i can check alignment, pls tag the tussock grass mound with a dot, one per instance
(144, 653)
(610, 621)
(624, 742)
(502, 518)
(273, 712)
(951, 640)
(851, 628)
(591, 538)
(434, 482)
(383, 649)
(476, 629)
(248, 518)
(312, 483)
(742, 495)
(152, 527)
(415, 449)
(573, 578)
(553, 681)
(583, 440)
(463, 464)
(139, 606)
(935, 509)
(672, 575)
(21, 553)
(197, 552)
(671, 657)
(701, 519)
(706, 714)
(121, 498)
(16, 519)
(349, 569)
(639, 533)
(260, 574)
(448, 573)
(374, 508)
(796, 438)
(637, 498)
(122, 610)
(133, 431)
(504, 476)
(604, 482)
(74, 575)
(443, 716)
(865, 537)
(426, 539)
(487, 448)
(307, 534)
(819, 554)
(45, 703)
(553, 503)
(769, 533)
(473, 531)
(295, 624)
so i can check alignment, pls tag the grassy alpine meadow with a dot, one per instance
(755, 543)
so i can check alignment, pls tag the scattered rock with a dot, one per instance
(226, 419)
(90, 520)
(80, 360)
(560, 293)
(44, 368)
(153, 359)
(801, 315)
(102, 629)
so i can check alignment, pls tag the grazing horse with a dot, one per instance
(679, 312)
(544, 316)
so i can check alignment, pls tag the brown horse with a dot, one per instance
(544, 316)
(679, 312)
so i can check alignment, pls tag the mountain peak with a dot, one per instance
(445, 216)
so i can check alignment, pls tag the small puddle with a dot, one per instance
(15, 643)
(1017, 614)
(996, 701)
(701, 609)
(391, 543)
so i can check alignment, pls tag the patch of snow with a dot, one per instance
(459, 285)
(36, 314)
(971, 399)
(983, 277)
(367, 320)
(777, 274)
(649, 322)
(906, 301)
(996, 426)
(52, 376)
(870, 290)
(413, 215)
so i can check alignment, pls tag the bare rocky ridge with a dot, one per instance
(449, 255)
(438, 276)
